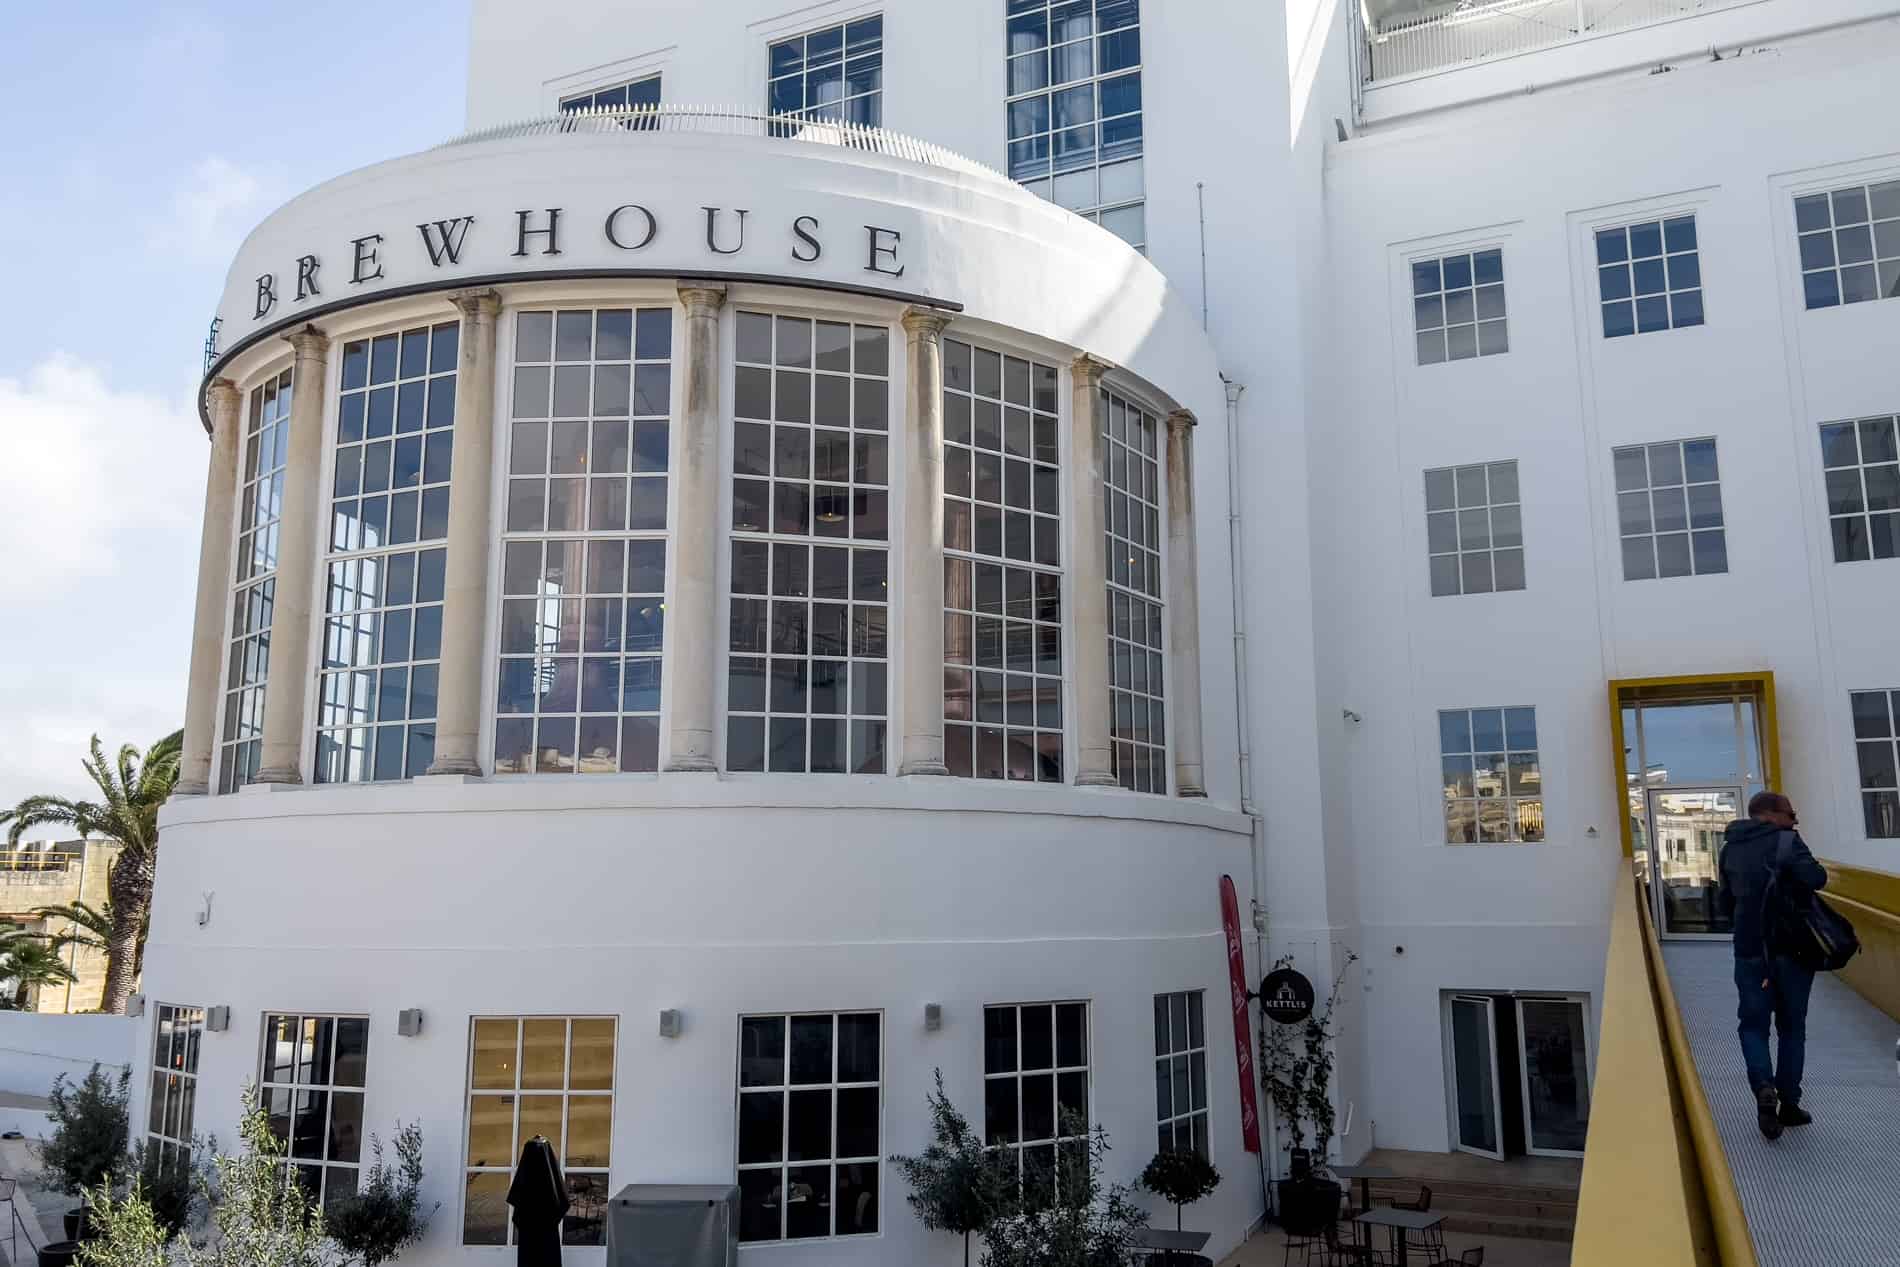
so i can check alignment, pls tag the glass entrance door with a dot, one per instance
(1556, 1063)
(1685, 840)
(1474, 1058)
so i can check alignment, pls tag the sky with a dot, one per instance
(143, 141)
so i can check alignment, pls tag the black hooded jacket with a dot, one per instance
(1748, 850)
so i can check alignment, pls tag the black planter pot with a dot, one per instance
(59, 1253)
(1307, 1205)
(75, 1220)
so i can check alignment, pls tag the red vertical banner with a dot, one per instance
(1243, 1032)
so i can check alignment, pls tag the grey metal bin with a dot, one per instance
(673, 1225)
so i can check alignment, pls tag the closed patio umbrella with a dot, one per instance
(538, 1195)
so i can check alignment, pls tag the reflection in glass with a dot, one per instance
(1556, 1073)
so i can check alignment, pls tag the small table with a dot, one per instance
(1365, 1175)
(1398, 1223)
(1171, 1243)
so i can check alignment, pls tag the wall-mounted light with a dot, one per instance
(409, 1022)
(671, 1023)
(933, 1017)
(218, 1019)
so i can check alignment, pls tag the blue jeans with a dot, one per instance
(1776, 988)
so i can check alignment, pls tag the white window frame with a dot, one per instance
(815, 22)
(1883, 259)
(1457, 510)
(1667, 256)
(1645, 495)
(1483, 328)
(1860, 467)
(1505, 796)
(569, 96)
(1157, 645)
(1866, 793)
(1056, 1141)
(1170, 1047)
(180, 1075)
(329, 1087)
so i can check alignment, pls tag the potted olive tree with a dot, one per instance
(1296, 1068)
(384, 1216)
(1182, 1177)
(957, 1185)
(87, 1148)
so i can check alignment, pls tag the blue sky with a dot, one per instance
(142, 142)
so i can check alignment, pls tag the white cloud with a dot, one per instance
(103, 493)
(216, 206)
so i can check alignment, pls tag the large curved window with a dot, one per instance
(260, 506)
(382, 605)
(584, 559)
(1132, 513)
(809, 664)
(1002, 531)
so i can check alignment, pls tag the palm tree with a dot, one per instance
(90, 927)
(131, 790)
(26, 961)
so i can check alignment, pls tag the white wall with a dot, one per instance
(37, 1047)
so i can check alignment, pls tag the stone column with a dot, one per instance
(214, 592)
(465, 604)
(1088, 576)
(1184, 613)
(920, 657)
(281, 760)
(693, 633)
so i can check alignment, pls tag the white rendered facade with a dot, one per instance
(720, 892)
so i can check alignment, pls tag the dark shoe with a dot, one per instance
(1792, 1114)
(1767, 1112)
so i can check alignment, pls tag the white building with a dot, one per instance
(572, 662)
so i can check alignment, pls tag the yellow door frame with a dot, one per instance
(1627, 691)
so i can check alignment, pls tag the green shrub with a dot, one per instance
(1182, 1177)
(90, 1128)
(385, 1215)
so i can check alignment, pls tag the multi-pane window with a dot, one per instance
(1649, 276)
(1474, 528)
(1862, 460)
(833, 73)
(1132, 515)
(1669, 509)
(1493, 785)
(1850, 244)
(1002, 530)
(310, 1085)
(1877, 746)
(174, 1096)
(584, 558)
(260, 507)
(550, 1076)
(1075, 132)
(808, 634)
(1036, 1087)
(809, 1111)
(1458, 307)
(638, 95)
(1181, 1073)
(382, 637)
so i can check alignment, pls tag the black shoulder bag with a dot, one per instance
(1798, 925)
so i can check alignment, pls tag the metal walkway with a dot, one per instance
(1821, 1194)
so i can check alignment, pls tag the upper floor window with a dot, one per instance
(833, 73)
(1877, 746)
(1132, 517)
(1493, 783)
(1002, 517)
(1181, 1072)
(1075, 114)
(1649, 276)
(808, 669)
(174, 1093)
(1862, 460)
(583, 578)
(260, 507)
(639, 94)
(311, 1086)
(1474, 528)
(1458, 307)
(1850, 244)
(382, 629)
(1669, 509)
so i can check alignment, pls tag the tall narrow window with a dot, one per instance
(808, 635)
(1474, 528)
(260, 506)
(382, 605)
(310, 1084)
(833, 73)
(584, 558)
(1877, 749)
(1181, 1072)
(1850, 244)
(1132, 513)
(1669, 509)
(1036, 1088)
(1074, 106)
(1002, 533)
(810, 1102)
(1494, 785)
(1862, 459)
(550, 1076)
(174, 1079)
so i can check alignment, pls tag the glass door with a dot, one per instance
(1556, 1063)
(1474, 1059)
(1686, 826)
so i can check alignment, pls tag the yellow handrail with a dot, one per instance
(1871, 900)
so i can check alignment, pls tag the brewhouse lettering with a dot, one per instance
(881, 249)
(266, 295)
(366, 264)
(306, 277)
(613, 229)
(445, 242)
(551, 233)
(803, 235)
(712, 232)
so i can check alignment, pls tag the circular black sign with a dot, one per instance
(1286, 997)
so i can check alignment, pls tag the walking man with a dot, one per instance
(1769, 985)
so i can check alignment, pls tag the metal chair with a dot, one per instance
(1431, 1241)
(1473, 1257)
